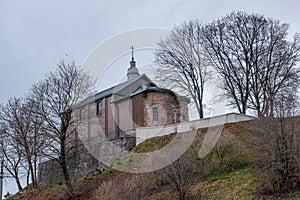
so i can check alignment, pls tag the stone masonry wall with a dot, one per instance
(166, 103)
(81, 163)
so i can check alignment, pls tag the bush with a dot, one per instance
(229, 153)
(125, 186)
(277, 153)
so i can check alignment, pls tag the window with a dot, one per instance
(99, 108)
(155, 113)
(176, 116)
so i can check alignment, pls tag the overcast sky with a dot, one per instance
(35, 34)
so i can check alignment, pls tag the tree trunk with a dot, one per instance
(66, 176)
(35, 170)
(201, 115)
(33, 179)
(63, 160)
(244, 107)
(271, 114)
(18, 183)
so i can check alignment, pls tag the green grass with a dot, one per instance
(153, 144)
(237, 184)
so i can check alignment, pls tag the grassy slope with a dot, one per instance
(236, 184)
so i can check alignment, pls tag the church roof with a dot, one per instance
(154, 88)
(132, 77)
(104, 93)
(146, 88)
(118, 87)
(150, 87)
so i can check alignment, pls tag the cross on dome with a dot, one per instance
(132, 53)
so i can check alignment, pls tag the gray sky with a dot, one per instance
(35, 34)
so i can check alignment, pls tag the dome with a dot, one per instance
(132, 71)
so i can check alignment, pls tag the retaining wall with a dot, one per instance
(145, 133)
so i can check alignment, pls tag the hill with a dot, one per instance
(226, 173)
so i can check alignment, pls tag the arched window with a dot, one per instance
(155, 113)
(176, 116)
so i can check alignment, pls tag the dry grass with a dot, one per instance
(238, 183)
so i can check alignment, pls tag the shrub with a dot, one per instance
(277, 153)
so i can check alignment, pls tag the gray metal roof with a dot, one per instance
(104, 93)
(118, 87)
(108, 92)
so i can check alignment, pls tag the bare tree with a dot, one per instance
(179, 172)
(276, 145)
(55, 98)
(12, 156)
(183, 64)
(286, 103)
(23, 134)
(254, 58)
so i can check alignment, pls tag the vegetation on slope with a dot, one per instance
(226, 173)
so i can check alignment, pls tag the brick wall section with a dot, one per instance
(103, 141)
(81, 164)
(167, 103)
(128, 143)
(184, 110)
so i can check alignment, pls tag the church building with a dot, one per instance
(137, 102)
(105, 124)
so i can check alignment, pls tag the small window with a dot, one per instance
(155, 113)
(176, 116)
(99, 108)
